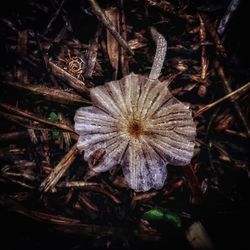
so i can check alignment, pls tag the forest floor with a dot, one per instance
(52, 53)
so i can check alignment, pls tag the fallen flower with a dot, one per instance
(136, 122)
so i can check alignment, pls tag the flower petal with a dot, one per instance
(146, 96)
(111, 152)
(132, 89)
(174, 118)
(93, 120)
(142, 167)
(172, 149)
(158, 96)
(101, 97)
(171, 107)
(156, 165)
(88, 140)
(183, 149)
(170, 118)
(117, 92)
(172, 133)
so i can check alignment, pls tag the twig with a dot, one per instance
(92, 54)
(26, 122)
(32, 135)
(51, 94)
(123, 30)
(228, 90)
(45, 59)
(142, 197)
(109, 25)
(145, 197)
(232, 96)
(193, 182)
(49, 218)
(77, 184)
(90, 186)
(105, 192)
(72, 81)
(60, 35)
(113, 48)
(13, 136)
(18, 120)
(172, 77)
(54, 17)
(87, 202)
(168, 8)
(210, 27)
(21, 183)
(64, 223)
(23, 178)
(64, 15)
(59, 170)
(22, 75)
(204, 61)
(177, 184)
(223, 121)
(236, 133)
(33, 117)
(66, 135)
(9, 24)
(163, 6)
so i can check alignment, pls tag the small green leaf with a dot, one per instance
(153, 214)
(172, 218)
(53, 117)
(156, 214)
(55, 134)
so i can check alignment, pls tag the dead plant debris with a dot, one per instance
(54, 52)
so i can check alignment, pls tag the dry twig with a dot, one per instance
(232, 96)
(51, 94)
(33, 117)
(109, 25)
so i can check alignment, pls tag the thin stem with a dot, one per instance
(161, 49)
(230, 96)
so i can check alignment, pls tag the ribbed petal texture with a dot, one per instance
(137, 123)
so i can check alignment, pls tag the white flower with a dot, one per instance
(137, 123)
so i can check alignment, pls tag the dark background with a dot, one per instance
(230, 231)
(227, 231)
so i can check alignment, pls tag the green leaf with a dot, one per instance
(53, 117)
(153, 214)
(172, 218)
(55, 134)
(156, 214)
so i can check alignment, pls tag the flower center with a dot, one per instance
(135, 128)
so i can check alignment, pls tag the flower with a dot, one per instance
(136, 122)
